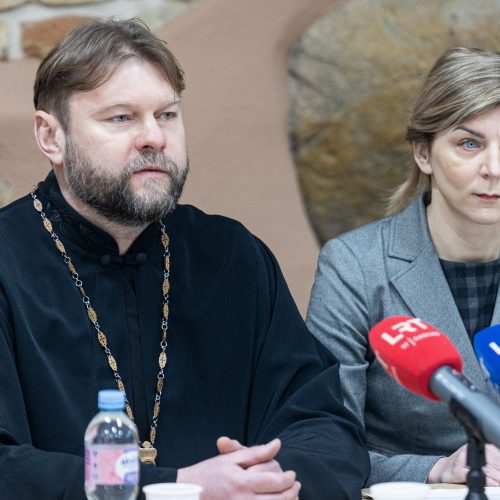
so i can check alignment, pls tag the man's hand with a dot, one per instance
(242, 473)
(453, 469)
(227, 445)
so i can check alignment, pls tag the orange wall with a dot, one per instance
(235, 55)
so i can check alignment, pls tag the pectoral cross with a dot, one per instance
(147, 453)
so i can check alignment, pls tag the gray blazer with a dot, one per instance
(388, 268)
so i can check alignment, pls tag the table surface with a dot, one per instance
(366, 495)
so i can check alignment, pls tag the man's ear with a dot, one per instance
(50, 137)
(422, 155)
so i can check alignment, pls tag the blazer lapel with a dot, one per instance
(421, 284)
(495, 320)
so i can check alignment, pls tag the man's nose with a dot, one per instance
(150, 136)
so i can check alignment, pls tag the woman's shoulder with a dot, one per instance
(374, 236)
(360, 240)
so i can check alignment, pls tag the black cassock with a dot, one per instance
(241, 362)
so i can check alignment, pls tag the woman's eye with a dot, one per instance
(469, 144)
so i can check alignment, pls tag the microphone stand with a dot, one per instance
(475, 460)
(476, 457)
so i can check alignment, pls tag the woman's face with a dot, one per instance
(464, 165)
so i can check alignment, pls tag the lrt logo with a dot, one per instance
(408, 326)
(390, 339)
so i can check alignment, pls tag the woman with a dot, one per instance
(435, 257)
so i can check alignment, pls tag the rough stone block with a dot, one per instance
(9, 4)
(39, 38)
(352, 77)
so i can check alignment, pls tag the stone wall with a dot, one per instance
(29, 28)
(352, 78)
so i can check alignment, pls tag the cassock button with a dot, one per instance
(105, 259)
(141, 258)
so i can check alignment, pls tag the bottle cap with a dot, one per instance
(111, 399)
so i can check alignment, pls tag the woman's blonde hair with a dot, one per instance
(462, 83)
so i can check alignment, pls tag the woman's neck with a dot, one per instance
(465, 242)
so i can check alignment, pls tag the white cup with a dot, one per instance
(400, 491)
(172, 491)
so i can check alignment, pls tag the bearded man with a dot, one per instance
(106, 282)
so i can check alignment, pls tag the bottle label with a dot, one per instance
(111, 465)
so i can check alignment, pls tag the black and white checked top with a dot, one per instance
(474, 287)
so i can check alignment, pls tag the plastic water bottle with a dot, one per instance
(111, 451)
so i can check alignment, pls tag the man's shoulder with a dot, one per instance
(188, 211)
(16, 212)
(18, 223)
(211, 233)
(219, 243)
(194, 220)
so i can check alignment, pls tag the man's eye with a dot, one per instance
(120, 118)
(168, 115)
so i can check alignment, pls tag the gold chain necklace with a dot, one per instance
(147, 452)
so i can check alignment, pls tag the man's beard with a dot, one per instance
(111, 195)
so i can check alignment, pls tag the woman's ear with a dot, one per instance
(49, 137)
(422, 155)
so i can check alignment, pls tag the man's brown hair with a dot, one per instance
(88, 56)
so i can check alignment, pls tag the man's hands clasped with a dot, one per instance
(242, 473)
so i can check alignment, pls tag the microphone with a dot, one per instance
(411, 351)
(487, 347)
(424, 361)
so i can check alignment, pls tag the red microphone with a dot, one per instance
(411, 351)
(424, 360)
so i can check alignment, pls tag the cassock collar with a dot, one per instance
(71, 225)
